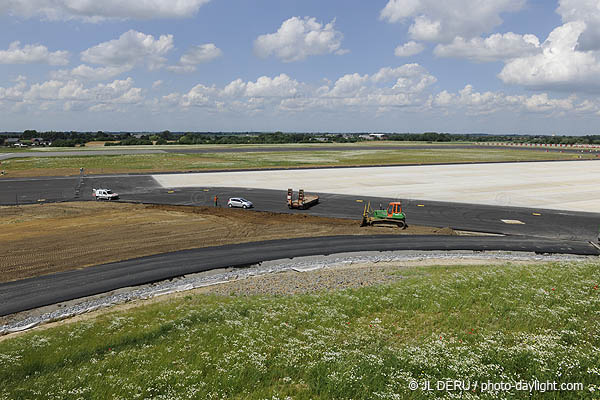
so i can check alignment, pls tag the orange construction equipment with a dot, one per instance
(392, 216)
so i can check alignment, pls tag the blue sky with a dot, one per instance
(496, 66)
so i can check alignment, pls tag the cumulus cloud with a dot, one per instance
(93, 11)
(72, 95)
(298, 39)
(560, 65)
(86, 73)
(408, 78)
(409, 49)
(279, 86)
(118, 91)
(587, 11)
(30, 54)
(130, 48)
(14, 93)
(196, 55)
(442, 21)
(496, 47)
(478, 103)
(389, 87)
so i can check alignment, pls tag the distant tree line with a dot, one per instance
(73, 138)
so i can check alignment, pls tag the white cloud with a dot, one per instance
(196, 55)
(93, 11)
(30, 54)
(587, 11)
(389, 87)
(409, 49)
(442, 21)
(14, 93)
(560, 66)
(349, 85)
(74, 95)
(280, 86)
(408, 78)
(236, 88)
(156, 84)
(130, 48)
(86, 73)
(199, 96)
(477, 103)
(298, 39)
(494, 48)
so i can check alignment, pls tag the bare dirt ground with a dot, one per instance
(47, 238)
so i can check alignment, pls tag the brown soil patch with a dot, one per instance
(47, 238)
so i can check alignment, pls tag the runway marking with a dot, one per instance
(171, 191)
(40, 200)
(537, 214)
(359, 201)
(512, 221)
(420, 205)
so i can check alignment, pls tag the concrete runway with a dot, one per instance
(51, 289)
(568, 185)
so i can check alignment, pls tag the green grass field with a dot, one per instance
(163, 162)
(472, 323)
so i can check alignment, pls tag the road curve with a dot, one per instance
(36, 292)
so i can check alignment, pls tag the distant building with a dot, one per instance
(373, 136)
(38, 141)
(11, 141)
(380, 136)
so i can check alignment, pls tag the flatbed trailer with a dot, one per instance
(303, 201)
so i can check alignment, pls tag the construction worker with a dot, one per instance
(216, 201)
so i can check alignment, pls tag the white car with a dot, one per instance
(104, 194)
(239, 202)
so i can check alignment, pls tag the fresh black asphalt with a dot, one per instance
(562, 225)
(51, 289)
(542, 231)
(551, 224)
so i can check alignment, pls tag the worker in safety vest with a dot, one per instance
(216, 201)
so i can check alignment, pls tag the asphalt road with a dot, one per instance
(51, 289)
(542, 231)
(54, 189)
(551, 224)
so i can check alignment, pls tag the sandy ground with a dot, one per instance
(47, 238)
(568, 185)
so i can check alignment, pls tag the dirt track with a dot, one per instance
(47, 238)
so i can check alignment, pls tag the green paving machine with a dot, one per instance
(393, 216)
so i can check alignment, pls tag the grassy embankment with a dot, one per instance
(471, 323)
(69, 165)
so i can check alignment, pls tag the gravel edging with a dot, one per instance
(279, 277)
